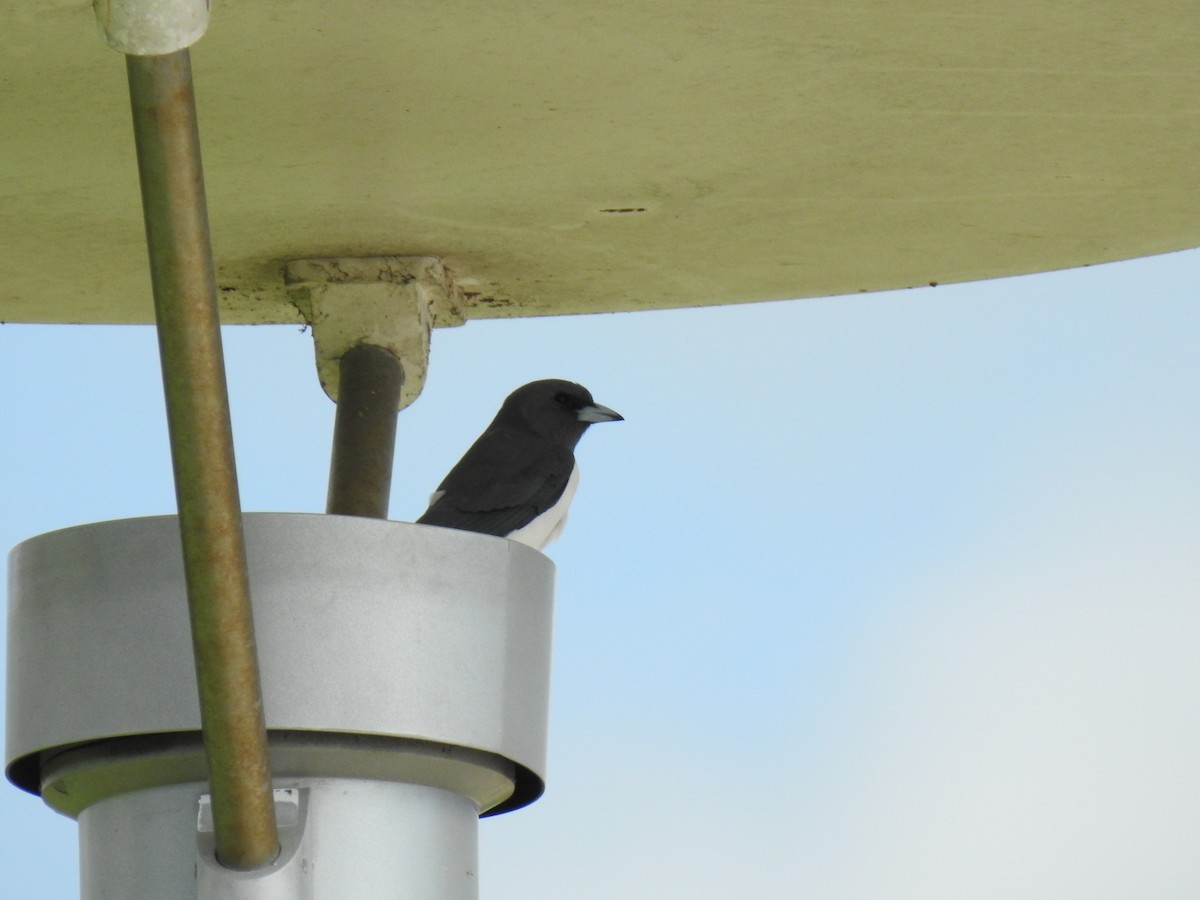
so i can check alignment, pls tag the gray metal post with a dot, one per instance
(364, 432)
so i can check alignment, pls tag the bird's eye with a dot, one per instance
(562, 398)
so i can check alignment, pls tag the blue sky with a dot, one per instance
(891, 595)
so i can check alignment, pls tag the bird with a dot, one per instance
(518, 478)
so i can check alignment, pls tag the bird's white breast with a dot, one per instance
(549, 525)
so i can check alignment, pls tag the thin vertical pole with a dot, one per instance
(185, 304)
(364, 432)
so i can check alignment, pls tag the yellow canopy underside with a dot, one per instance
(566, 157)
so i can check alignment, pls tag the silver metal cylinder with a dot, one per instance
(405, 676)
(340, 838)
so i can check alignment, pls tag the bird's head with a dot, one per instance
(558, 409)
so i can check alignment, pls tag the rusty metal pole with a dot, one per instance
(185, 303)
(364, 432)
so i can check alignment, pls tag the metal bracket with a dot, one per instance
(387, 301)
(151, 27)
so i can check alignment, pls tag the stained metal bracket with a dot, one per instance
(386, 301)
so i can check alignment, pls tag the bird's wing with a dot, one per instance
(502, 483)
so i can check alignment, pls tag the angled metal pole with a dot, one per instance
(185, 303)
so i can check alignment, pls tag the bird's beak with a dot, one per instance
(594, 412)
